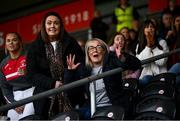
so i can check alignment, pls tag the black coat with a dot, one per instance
(38, 68)
(113, 83)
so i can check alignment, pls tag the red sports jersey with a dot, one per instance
(14, 68)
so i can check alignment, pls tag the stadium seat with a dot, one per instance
(158, 88)
(109, 113)
(150, 115)
(157, 103)
(169, 78)
(130, 91)
(130, 88)
(66, 116)
(130, 83)
(177, 97)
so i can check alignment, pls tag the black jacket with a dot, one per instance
(113, 83)
(38, 70)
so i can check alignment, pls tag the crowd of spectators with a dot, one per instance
(55, 59)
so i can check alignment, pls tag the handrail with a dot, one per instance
(78, 83)
(160, 56)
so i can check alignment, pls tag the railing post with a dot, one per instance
(93, 97)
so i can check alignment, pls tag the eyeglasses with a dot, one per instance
(98, 48)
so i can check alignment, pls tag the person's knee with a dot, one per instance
(145, 80)
(175, 68)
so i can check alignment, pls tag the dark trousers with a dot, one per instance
(41, 106)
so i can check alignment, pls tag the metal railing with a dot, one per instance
(78, 83)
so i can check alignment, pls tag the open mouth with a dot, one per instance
(52, 30)
(11, 47)
(95, 55)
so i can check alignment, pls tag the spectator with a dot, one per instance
(150, 46)
(177, 29)
(166, 28)
(47, 57)
(133, 35)
(98, 27)
(12, 77)
(99, 59)
(124, 14)
(135, 25)
(117, 45)
(130, 45)
(81, 43)
(173, 7)
(174, 41)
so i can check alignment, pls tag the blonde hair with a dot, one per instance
(88, 62)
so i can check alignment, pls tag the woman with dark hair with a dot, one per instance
(174, 41)
(149, 46)
(117, 45)
(130, 44)
(46, 58)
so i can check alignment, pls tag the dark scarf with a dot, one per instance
(55, 59)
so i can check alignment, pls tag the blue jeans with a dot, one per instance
(176, 69)
(145, 80)
(85, 112)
